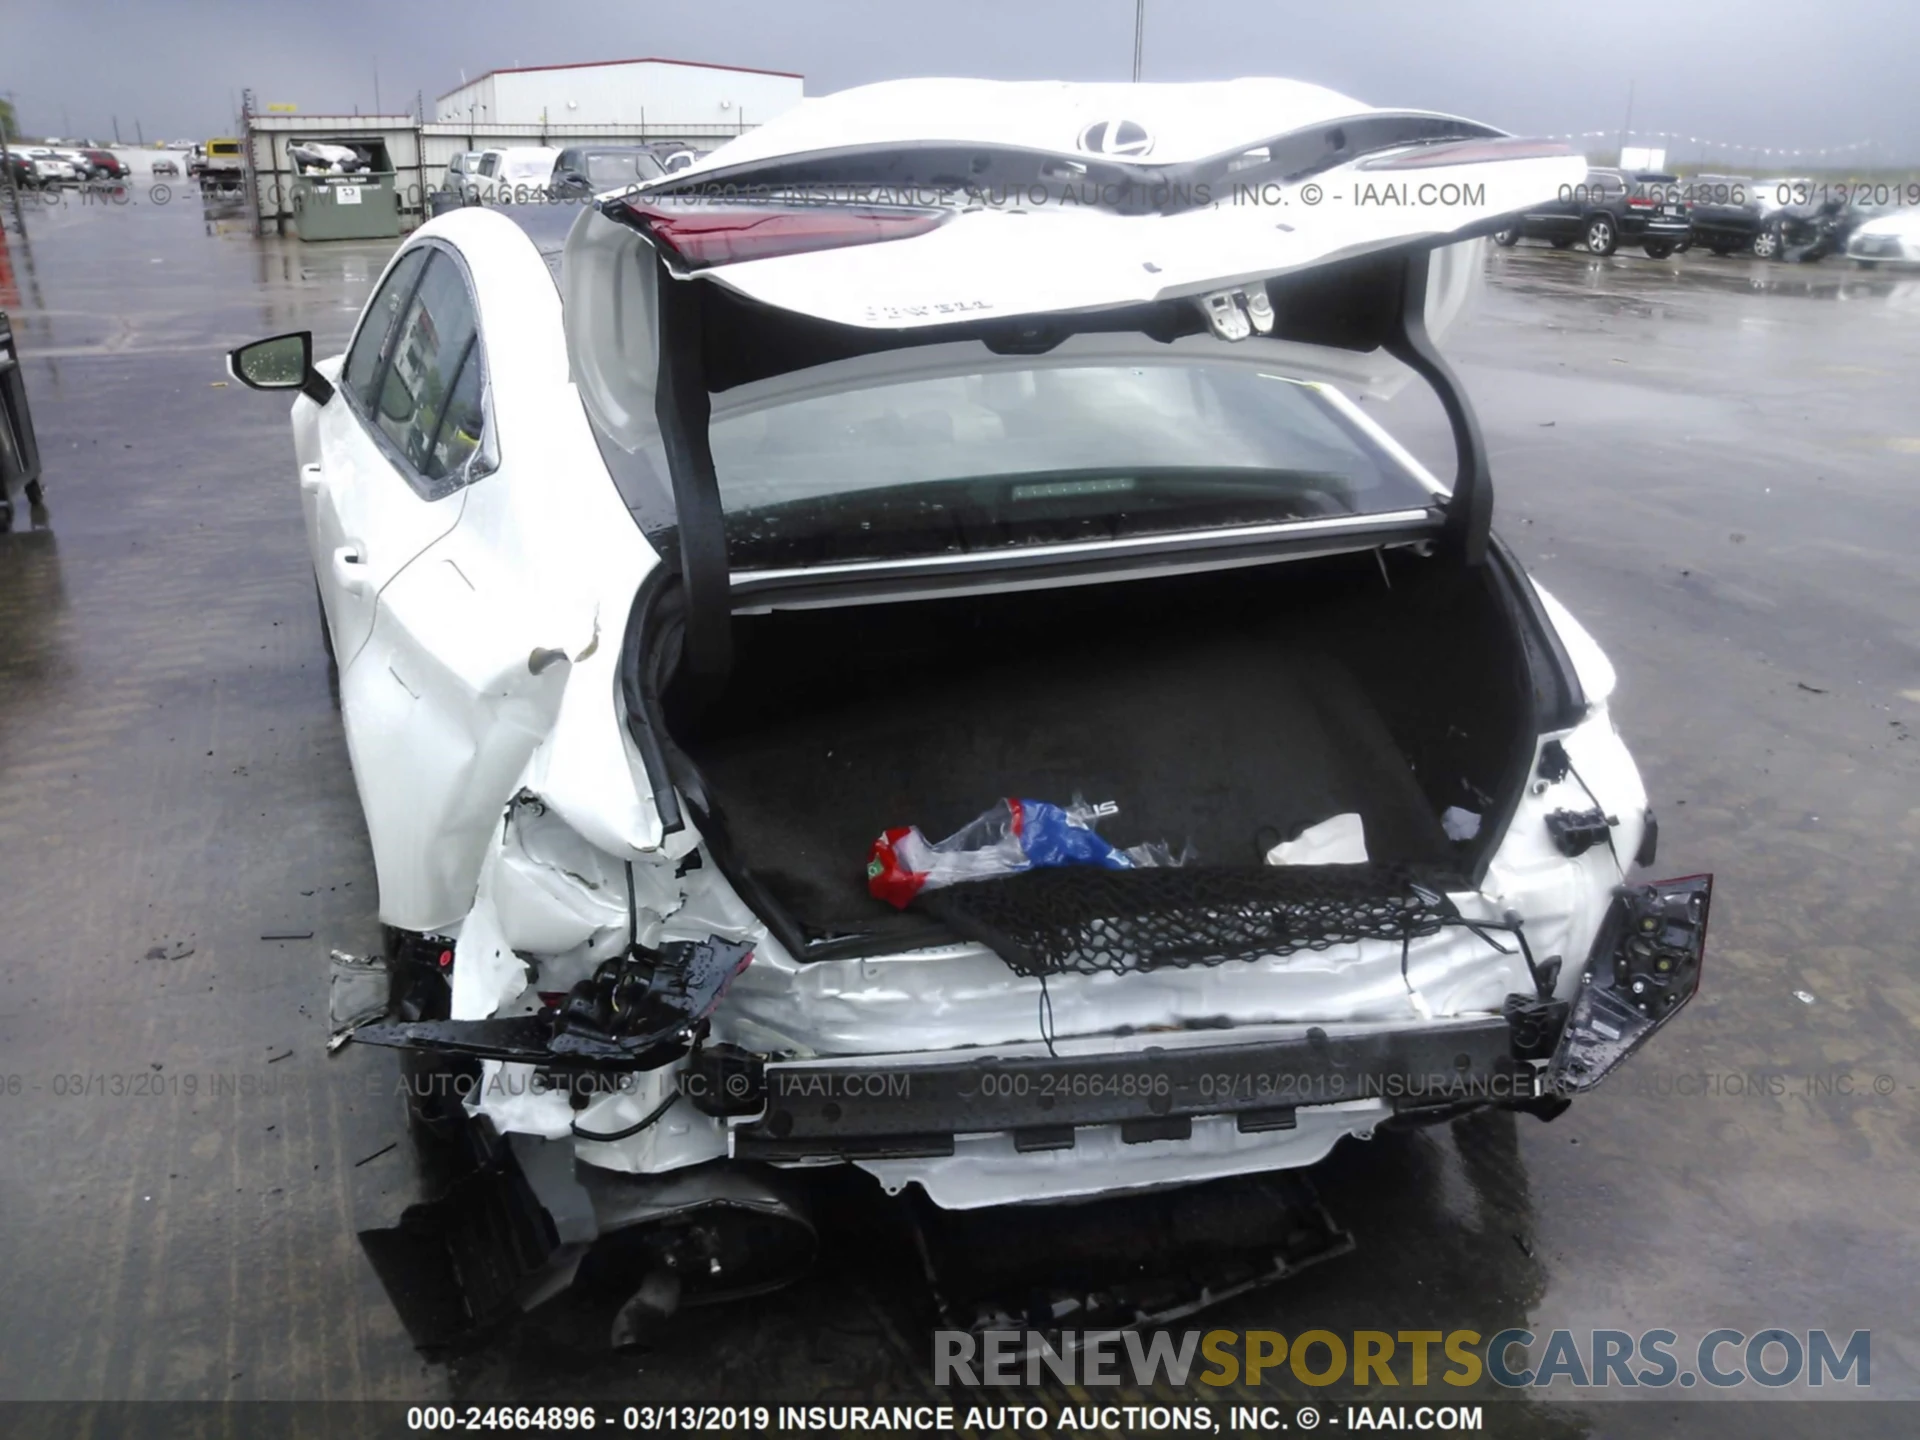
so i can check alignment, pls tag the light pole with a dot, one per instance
(1139, 35)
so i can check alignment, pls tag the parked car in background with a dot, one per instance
(19, 169)
(222, 164)
(83, 167)
(1736, 213)
(107, 165)
(515, 175)
(977, 498)
(164, 166)
(586, 170)
(50, 167)
(1892, 239)
(461, 178)
(1608, 209)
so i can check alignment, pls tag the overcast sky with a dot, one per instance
(1775, 75)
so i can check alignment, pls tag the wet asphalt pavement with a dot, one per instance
(1714, 463)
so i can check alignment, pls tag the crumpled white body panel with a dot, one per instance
(538, 884)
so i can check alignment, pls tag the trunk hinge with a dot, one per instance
(683, 408)
(1470, 509)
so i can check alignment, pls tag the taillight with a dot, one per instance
(701, 233)
(1645, 965)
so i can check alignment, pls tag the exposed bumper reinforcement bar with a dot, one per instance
(888, 1107)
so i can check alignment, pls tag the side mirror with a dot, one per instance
(281, 362)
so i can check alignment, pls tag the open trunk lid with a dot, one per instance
(933, 202)
(1015, 216)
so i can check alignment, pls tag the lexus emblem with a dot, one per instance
(1116, 137)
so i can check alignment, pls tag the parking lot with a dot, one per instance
(1714, 462)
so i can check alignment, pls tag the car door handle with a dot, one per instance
(350, 569)
(312, 480)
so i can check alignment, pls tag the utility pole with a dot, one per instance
(116, 129)
(1139, 36)
(1627, 124)
(139, 134)
(376, 87)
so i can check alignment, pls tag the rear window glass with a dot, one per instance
(608, 168)
(535, 166)
(1024, 454)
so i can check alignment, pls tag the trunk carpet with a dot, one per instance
(1232, 739)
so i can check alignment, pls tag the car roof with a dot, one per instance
(546, 226)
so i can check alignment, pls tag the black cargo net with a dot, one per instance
(1079, 919)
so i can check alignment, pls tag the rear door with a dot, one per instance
(419, 711)
(365, 521)
(460, 677)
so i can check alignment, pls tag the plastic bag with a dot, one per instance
(1013, 836)
(1341, 840)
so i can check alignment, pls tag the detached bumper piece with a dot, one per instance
(532, 1222)
(459, 1267)
(638, 1011)
(1129, 1262)
(886, 1108)
(1644, 967)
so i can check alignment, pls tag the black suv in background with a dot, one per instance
(1735, 212)
(1610, 208)
(586, 170)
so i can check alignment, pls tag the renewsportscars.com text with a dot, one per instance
(1512, 1359)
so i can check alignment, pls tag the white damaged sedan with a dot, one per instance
(938, 446)
(1892, 239)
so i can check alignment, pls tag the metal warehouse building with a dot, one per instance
(654, 93)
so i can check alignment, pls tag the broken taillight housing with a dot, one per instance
(697, 232)
(1645, 965)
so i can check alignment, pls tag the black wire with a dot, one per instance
(631, 1130)
(1480, 928)
(1603, 815)
(633, 914)
(1046, 1018)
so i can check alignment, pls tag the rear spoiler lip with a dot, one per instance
(1491, 151)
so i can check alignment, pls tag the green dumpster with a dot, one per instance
(361, 204)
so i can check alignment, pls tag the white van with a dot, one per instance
(517, 174)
